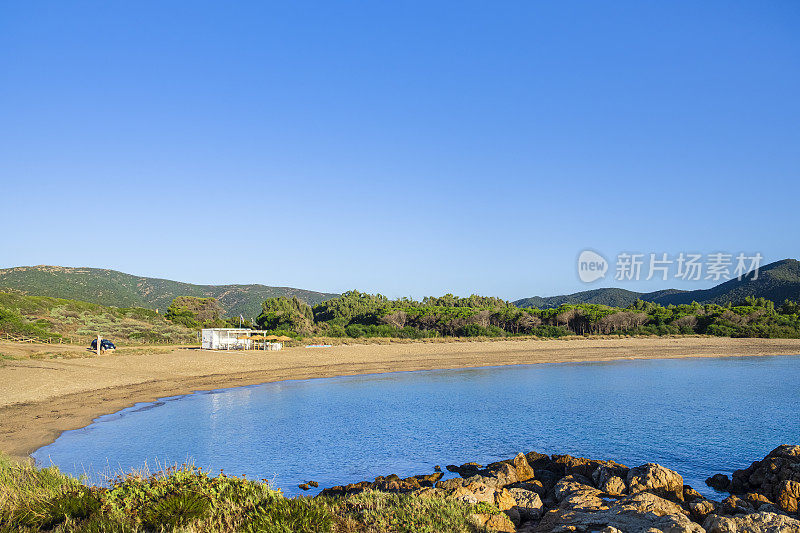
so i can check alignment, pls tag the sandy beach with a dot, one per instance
(41, 397)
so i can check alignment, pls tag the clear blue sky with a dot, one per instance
(410, 148)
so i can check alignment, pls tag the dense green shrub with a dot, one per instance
(290, 314)
(551, 331)
(54, 317)
(150, 337)
(354, 330)
(475, 330)
(352, 306)
(358, 315)
(335, 330)
(195, 313)
(11, 321)
(383, 330)
(720, 330)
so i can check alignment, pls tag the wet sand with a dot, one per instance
(40, 398)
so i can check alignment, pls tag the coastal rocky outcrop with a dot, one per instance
(772, 483)
(538, 493)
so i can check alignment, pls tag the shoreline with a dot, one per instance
(44, 398)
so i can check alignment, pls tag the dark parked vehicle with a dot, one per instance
(105, 344)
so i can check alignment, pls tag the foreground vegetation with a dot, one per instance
(356, 314)
(188, 499)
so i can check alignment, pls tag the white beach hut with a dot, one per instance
(226, 339)
(239, 339)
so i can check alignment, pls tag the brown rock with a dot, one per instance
(429, 492)
(559, 463)
(568, 485)
(490, 480)
(528, 503)
(646, 502)
(501, 523)
(584, 501)
(524, 470)
(387, 485)
(504, 500)
(756, 500)
(505, 475)
(578, 465)
(533, 485)
(719, 482)
(538, 460)
(575, 493)
(412, 482)
(701, 509)
(787, 496)
(735, 505)
(690, 494)
(767, 476)
(338, 490)
(787, 451)
(610, 480)
(450, 484)
(546, 478)
(426, 480)
(760, 522)
(614, 486)
(480, 519)
(655, 478)
(586, 467)
(640, 513)
(465, 470)
(513, 515)
(474, 493)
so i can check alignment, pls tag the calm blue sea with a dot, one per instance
(697, 416)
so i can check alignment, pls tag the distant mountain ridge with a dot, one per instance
(113, 288)
(607, 296)
(776, 281)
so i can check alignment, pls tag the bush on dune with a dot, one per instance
(16, 324)
(55, 318)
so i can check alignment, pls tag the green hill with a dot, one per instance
(112, 288)
(609, 296)
(776, 281)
